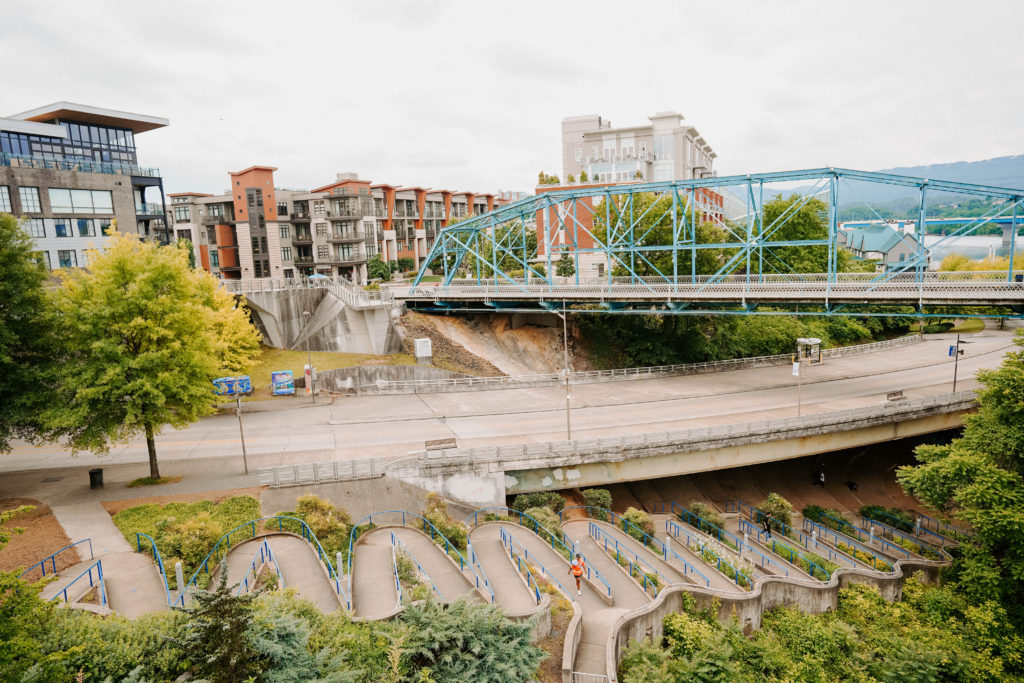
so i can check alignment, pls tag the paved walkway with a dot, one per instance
(300, 568)
(373, 580)
(510, 593)
(449, 580)
(732, 524)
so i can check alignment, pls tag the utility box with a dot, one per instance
(423, 351)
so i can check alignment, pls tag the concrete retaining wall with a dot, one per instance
(364, 378)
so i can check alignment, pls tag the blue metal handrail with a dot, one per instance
(623, 552)
(646, 539)
(521, 565)
(52, 559)
(916, 528)
(561, 539)
(700, 546)
(789, 553)
(927, 549)
(264, 556)
(476, 563)
(703, 525)
(940, 525)
(159, 562)
(395, 541)
(427, 527)
(225, 540)
(734, 540)
(98, 566)
(509, 542)
(852, 531)
(826, 532)
(798, 536)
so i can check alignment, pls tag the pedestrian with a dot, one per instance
(767, 523)
(577, 569)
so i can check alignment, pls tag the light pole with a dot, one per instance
(565, 351)
(309, 361)
(957, 352)
(241, 433)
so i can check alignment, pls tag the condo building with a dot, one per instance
(258, 230)
(665, 149)
(69, 170)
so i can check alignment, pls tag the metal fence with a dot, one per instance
(320, 472)
(592, 376)
(344, 289)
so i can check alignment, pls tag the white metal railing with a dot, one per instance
(319, 472)
(589, 376)
(341, 287)
(579, 677)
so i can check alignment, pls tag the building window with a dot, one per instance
(289, 273)
(255, 245)
(61, 228)
(36, 228)
(85, 227)
(44, 257)
(257, 269)
(282, 208)
(81, 201)
(263, 245)
(323, 252)
(5, 199)
(579, 154)
(211, 235)
(321, 229)
(284, 231)
(30, 199)
(181, 214)
(318, 207)
(214, 259)
(67, 258)
(286, 253)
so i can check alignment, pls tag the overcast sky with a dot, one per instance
(470, 95)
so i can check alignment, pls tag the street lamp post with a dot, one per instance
(309, 357)
(565, 347)
(957, 352)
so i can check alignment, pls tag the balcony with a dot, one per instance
(149, 209)
(346, 237)
(303, 259)
(299, 216)
(216, 219)
(346, 212)
(336, 260)
(302, 238)
(78, 166)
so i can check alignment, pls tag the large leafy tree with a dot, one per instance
(980, 477)
(27, 340)
(144, 334)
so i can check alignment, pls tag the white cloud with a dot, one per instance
(470, 95)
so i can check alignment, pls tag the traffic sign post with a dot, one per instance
(237, 387)
(956, 352)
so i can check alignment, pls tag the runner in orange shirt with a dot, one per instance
(577, 569)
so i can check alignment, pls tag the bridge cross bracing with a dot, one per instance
(680, 247)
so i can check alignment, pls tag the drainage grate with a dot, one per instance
(50, 480)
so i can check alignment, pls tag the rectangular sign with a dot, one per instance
(796, 369)
(232, 386)
(952, 350)
(282, 383)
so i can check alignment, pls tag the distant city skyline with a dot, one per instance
(471, 96)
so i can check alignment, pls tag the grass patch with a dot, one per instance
(187, 532)
(969, 325)
(151, 481)
(271, 360)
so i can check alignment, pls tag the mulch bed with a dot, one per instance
(43, 536)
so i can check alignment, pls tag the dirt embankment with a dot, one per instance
(494, 344)
(43, 536)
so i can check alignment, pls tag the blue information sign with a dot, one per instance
(282, 382)
(952, 350)
(232, 386)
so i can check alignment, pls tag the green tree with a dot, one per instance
(216, 633)
(565, 267)
(377, 269)
(406, 263)
(143, 336)
(980, 477)
(583, 177)
(27, 335)
(186, 246)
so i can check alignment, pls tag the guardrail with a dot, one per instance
(224, 544)
(724, 536)
(909, 527)
(788, 553)
(159, 562)
(849, 529)
(626, 374)
(941, 525)
(623, 553)
(480, 567)
(320, 472)
(559, 542)
(344, 289)
(521, 561)
(424, 525)
(925, 550)
(877, 563)
(52, 559)
(395, 543)
(98, 581)
(265, 556)
(699, 546)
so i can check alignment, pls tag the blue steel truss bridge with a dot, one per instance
(717, 245)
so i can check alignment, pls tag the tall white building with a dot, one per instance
(664, 149)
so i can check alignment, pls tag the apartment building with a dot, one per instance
(68, 171)
(259, 230)
(664, 149)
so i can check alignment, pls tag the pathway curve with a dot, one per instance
(373, 581)
(732, 524)
(445, 575)
(510, 593)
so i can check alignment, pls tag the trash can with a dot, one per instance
(96, 478)
(1018, 278)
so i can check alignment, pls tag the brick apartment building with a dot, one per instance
(263, 231)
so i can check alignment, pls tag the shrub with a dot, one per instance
(827, 517)
(598, 498)
(937, 328)
(547, 519)
(779, 508)
(330, 524)
(639, 519)
(437, 514)
(548, 499)
(893, 517)
(707, 514)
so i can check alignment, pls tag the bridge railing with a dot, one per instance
(52, 559)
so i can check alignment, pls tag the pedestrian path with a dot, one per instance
(510, 593)
(452, 583)
(374, 595)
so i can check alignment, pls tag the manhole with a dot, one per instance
(50, 480)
